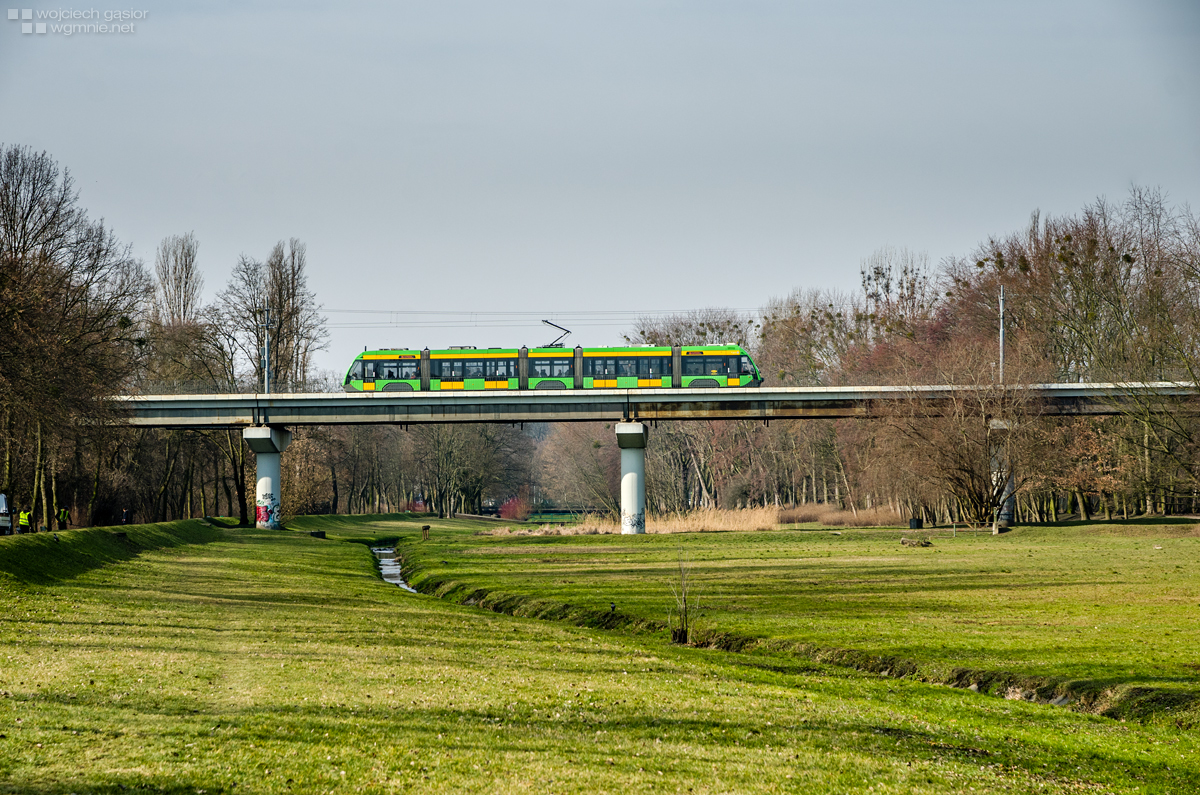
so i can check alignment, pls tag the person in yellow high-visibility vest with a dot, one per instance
(23, 519)
(64, 518)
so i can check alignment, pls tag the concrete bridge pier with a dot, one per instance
(267, 443)
(631, 438)
(1002, 471)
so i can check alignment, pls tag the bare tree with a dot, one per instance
(807, 337)
(276, 289)
(711, 326)
(179, 288)
(71, 299)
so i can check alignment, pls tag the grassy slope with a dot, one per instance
(51, 557)
(274, 662)
(1090, 607)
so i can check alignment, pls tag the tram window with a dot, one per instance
(369, 371)
(409, 370)
(604, 368)
(716, 365)
(388, 371)
(473, 369)
(356, 372)
(709, 365)
(653, 366)
(551, 368)
(447, 369)
(746, 368)
(499, 369)
(627, 367)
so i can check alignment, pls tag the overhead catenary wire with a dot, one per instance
(588, 318)
(458, 318)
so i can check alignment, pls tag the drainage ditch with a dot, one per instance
(389, 567)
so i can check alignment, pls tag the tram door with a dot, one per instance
(369, 375)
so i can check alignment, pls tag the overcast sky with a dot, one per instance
(566, 159)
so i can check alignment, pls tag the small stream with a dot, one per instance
(389, 567)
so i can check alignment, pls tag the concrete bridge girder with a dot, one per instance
(609, 405)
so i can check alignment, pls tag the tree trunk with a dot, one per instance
(849, 494)
(91, 514)
(333, 478)
(1146, 467)
(706, 500)
(52, 518)
(225, 488)
(236, 453)
(161, 500)
(1084, 513)
(6, 482)
(47, 517)
(188, 486)
(37, 472)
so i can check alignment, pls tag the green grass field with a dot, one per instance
(188, 659)
(1102, 613)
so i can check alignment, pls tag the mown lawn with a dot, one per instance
(239, 660)
(1092, 606)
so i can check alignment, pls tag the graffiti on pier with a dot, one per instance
(266, 512)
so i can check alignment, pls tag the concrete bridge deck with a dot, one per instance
(610, 405)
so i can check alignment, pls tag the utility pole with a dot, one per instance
(1002, 334)
(266, 350)
(1002, 457)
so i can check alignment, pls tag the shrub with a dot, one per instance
(516, 509)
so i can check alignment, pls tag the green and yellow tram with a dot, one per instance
(398, 370)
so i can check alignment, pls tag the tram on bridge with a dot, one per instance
(469, 368)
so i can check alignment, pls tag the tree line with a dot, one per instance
(84, 320)
(1111, 293)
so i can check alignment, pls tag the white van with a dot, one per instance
(6, 520)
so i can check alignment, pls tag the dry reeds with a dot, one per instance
(831, 516)
(707, 521)
(743, 520)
